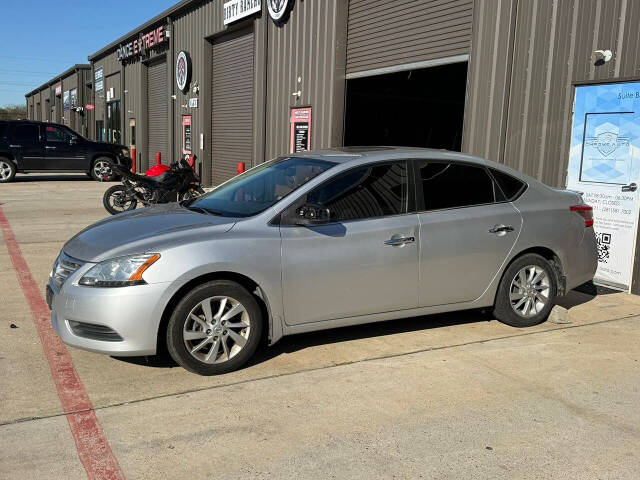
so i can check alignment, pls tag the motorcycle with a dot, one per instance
(177, 183)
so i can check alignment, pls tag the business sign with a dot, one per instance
(235, 10)
(58, 90)
(141, 46)
(193, 103)
(99, 79)
(74, 97)
(89, 106)
(65, 100)
(604, 164)
(300, 129)
(183, 71)
(278, 9)
(186, 134)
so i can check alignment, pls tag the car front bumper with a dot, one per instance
(113, 321)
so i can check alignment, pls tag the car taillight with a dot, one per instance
(586, 212)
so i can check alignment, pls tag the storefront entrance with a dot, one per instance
(417, 108)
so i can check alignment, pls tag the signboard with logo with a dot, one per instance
(278, 9)
(235, 10)
(604, 164)
(186, 134)
(74, 97)
(183, 71)
(99, 79)
(65, 100)
(142, 45)
(58, 90)
(300, 129)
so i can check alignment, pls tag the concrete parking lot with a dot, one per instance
(447, 396)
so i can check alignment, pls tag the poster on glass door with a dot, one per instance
(604, 164)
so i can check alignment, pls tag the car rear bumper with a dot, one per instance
(111, 321)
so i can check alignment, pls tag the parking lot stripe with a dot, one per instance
(92, 446)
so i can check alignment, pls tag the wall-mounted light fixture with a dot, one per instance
(600, 57)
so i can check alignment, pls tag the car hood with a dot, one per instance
(144, 230)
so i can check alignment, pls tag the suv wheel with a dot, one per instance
(101, 170)
(527, 292)
(215, 328)
(7, 170)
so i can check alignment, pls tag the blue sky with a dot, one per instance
(40, 39)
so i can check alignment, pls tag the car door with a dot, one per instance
(365, 259)
(466, 231)
(26, 145)
(63, 149)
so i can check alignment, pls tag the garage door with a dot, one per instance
(232, 105)
(158, 112)
(387, 33)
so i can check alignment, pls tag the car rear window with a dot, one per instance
(510, 186)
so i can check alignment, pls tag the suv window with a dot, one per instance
(365, 192)
(3, 129)
(453, 185)
(26, 133)
(510, 186)
(57, 134)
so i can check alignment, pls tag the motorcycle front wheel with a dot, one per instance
(193, 191)
(116, 200)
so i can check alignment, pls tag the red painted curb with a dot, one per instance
(91, 443)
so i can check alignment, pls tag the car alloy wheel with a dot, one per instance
(216, 337)
(102, 170)
(529, 292)
(6, 172)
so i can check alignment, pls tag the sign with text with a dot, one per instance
(99, 79)
(186, 134)
(65, 100)
(300, 129)
(235, 10)
(604, 164)
(58, 90)
(141, 46)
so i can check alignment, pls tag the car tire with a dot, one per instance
(232, 325)
(526, 283)
(96, 165)
(7, 170)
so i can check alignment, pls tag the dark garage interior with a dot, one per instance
(417, 108)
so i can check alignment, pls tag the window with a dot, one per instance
(365, 192)
(27, 133)
(57, 134)
(114, 134)
(452, 185)
(3, 129)
(261, 187)
(510, 186)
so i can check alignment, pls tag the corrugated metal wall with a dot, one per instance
(526, 57)
(232, 104)
(384, 33)
(157, 112)
(311, 46)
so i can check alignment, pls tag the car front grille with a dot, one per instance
(63, 268)
(94, 332)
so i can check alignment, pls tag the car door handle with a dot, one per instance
(501, 229)
(632, 187)
(398, 241)
(50, 148)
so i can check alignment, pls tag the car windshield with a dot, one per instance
(259, 188)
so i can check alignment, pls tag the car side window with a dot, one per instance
(26, 133)
(510, 186)
(365, 192)
(453, 185)
(57, 134)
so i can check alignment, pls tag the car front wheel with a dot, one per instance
(215, 328)
(101, 170)
(527, 292)
(7, 170)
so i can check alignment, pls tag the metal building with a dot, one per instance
(62, 99)
(247, 80)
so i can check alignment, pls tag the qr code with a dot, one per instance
(604, 246)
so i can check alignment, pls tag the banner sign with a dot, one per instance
(65, 100)
(58, 90)
(74, 98)
(300, 129)
(186, 134)
(99, 79)
(604, 164)
(234, 10)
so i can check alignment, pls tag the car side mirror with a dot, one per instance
(310, 214)
(73, 140)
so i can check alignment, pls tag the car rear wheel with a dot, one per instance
(7, 170)
(215, 328)
(527, 292)
(101, 170)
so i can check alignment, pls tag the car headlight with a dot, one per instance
(124, 152)
(119, 272)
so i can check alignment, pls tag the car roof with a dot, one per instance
(380, 153)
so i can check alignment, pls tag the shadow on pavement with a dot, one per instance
(33, 177)
(294, 343)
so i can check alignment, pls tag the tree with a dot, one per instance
(13, 112)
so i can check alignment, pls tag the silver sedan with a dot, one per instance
(320, 240)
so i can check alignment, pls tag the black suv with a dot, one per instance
(28, 147)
